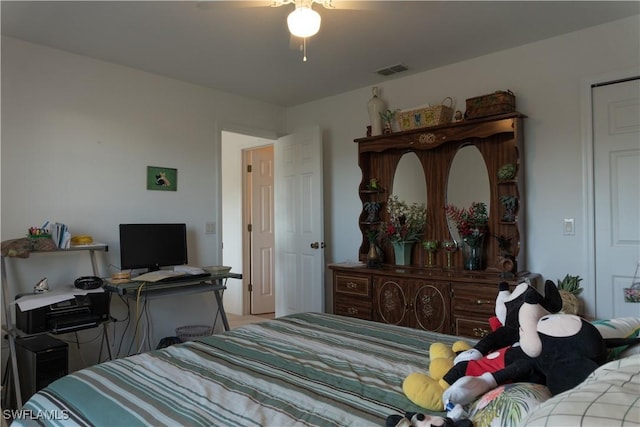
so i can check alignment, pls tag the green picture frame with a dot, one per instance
(162, 179)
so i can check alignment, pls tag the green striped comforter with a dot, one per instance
(305, 369)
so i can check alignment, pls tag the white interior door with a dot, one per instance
(262, 236)
(299, 270)
(616, 156)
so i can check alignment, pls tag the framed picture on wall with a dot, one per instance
(162, 179)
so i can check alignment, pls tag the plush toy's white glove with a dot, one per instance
(465, 356)
(467, 389)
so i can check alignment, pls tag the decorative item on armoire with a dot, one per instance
(507, 172)
(372, 209)
(506, 261)
(405, 227)
(510, 204)
(388, 118)
(449, 247)
(426, 116)
(499, 102)
(431, 246)
(472, 227)
(375, 107)
(374, 255)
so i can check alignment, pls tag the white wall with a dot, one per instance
(77, 136)
(546, 77)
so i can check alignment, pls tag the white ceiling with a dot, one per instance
(243, 47)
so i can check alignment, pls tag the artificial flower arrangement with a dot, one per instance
(406, 222)
(472, 222)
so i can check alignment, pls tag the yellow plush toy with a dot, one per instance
(426, 390)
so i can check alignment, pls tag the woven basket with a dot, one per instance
(191, 332)
(425, 117)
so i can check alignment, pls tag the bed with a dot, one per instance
(306, 369)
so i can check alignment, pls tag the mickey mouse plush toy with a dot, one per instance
(413, 419)
(493, 352)
(559, 350)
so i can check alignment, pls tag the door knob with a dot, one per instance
(315, 245)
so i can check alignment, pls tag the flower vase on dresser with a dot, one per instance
(471, 224)
(375, 107)
(473, 252)
(402, 251)
(405, 227)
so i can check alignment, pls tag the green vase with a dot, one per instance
(402, 252)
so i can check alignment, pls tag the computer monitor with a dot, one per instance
(152, 246)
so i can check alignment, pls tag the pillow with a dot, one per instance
(608, 397)
(507, 404)
(621, 327)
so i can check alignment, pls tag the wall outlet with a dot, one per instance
(210, 228)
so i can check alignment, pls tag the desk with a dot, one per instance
(216, 283)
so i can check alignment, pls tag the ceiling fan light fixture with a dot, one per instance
(304, 22)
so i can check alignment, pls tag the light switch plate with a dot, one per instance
(210, 228)
(568, 227)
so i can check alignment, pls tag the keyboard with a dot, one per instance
(185, 278)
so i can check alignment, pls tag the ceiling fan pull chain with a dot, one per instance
(304, 54)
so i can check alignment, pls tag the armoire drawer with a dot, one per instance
(353, 285)
(353, 307)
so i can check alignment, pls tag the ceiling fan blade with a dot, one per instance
(354, 5)
(211, 4)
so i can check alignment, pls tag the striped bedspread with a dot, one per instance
(306, 369)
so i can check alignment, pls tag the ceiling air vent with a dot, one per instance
(387, 71)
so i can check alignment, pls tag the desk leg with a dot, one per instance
(225, 322)
(106, 339)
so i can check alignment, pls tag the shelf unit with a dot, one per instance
(9, 327)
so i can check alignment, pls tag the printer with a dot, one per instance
(79, 312)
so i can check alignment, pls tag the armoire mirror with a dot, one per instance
(468, 182)
(409, 182)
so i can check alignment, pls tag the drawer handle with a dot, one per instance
(352, 310)
(479, 332)
(483, 301)
(352, 285)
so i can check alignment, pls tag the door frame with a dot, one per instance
(589, 253)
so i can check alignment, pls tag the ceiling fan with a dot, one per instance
(303, 22)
